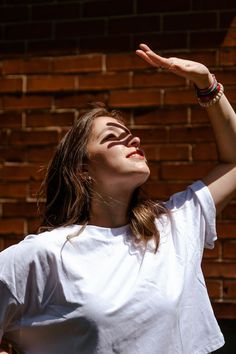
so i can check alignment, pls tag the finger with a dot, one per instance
(145, 57)
(144, 47)
(172, 64)
(156, 59)
(165, 63)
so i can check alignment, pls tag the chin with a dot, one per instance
(142, 177)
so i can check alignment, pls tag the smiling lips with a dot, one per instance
(138, 154)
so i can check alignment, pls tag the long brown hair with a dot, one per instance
(67, 191)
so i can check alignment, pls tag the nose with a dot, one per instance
(134, 141)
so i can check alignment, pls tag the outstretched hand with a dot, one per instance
(196, 72)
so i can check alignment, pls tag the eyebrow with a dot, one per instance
(113, 126)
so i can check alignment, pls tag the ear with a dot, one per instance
(85, 165)
(84, 176)
(84, 168)
(84, 173)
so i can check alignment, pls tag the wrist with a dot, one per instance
(204, 82)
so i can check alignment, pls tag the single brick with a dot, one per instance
(55, 83)
(76, 64)
(135, 98)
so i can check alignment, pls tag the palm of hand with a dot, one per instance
(194, 71)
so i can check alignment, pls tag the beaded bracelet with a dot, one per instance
(209, 96)
(210, 100)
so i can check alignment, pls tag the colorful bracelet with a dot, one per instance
(208, 90)
(209, 96)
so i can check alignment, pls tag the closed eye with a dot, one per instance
(114, 137)
(110, 136)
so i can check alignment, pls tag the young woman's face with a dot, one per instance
(114, 155)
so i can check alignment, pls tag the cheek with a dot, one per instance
(101, 162)
(108, 161)
(108, 155)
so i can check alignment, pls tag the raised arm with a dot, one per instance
(222, 179)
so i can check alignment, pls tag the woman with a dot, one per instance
(112, 272)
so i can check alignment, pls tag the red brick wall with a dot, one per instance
(58, 55)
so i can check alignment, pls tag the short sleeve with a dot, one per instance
(9, 309)
(209, 211)
(194, 214)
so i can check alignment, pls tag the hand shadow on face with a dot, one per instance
(123, 138)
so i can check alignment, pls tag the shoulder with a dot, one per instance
(197, 194)
(25, 251)
(36, 245)
(33, 259)
(193, 211)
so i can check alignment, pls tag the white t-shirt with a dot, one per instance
(98, 293)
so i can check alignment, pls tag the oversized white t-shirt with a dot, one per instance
(98, 293)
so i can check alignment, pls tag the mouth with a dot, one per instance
(138, 154)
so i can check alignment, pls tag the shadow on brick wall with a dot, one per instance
(44, 27)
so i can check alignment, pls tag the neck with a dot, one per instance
(110, 210)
